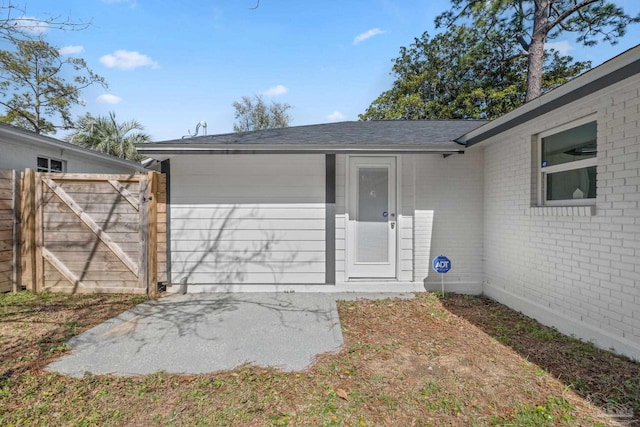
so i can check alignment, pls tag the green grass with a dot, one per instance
(552, 412)
(404, 362)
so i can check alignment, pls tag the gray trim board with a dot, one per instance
(310, 150)
(330, 219)
(598, 84)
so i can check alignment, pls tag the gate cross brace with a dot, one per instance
(125, 193)
(62, 269)
(93, 226)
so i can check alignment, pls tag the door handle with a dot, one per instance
(393, 224)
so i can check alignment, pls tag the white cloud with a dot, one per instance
(562, 47)
(276, 90)
(367, 35)
(29, 24)
(108, 99)
(128, 60)
(70, 50)
(336, 116)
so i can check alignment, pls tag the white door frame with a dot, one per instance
(363, 270)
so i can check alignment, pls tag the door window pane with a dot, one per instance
(372, 215)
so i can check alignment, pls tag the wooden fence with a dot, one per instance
(9, 229)
(89, 233)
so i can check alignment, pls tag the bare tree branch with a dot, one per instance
(15, 23)
(564, 15)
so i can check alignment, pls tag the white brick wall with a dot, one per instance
(576, 268)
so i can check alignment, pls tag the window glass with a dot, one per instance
(56, 165)
(568, 165)
(46, 164)
(574, 144)
(572, 184)
(43, 164)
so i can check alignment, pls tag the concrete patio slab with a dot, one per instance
(202, 333)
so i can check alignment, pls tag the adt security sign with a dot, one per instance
(441, 264)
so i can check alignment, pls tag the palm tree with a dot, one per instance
(106, 135)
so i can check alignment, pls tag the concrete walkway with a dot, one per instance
(199, 333)
(202, 333)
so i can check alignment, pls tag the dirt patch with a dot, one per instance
(425, 361)
(34, 328)
(610, 381)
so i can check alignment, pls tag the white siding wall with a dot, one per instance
(406, 175)
(21, 155)
(567, 267)
(449, 220)
(434, 192)
(248, 219)
(341, 223)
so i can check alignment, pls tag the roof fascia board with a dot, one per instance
(590, 82)
(296, 150)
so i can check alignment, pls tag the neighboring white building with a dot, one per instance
(538, 209)
(21, 149)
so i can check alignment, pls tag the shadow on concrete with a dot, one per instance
(201, 333)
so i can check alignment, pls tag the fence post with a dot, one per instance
(143, 256)
(27, 220)
(15, 195)
(38, 231)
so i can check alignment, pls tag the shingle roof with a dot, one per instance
(437, 134)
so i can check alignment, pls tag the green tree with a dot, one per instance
(34, 89)
(462, 73)
(107, 135)
(254, 114)
(533, 22)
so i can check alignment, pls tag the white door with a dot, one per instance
(372, 225)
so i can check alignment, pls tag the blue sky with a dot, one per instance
(171, 64)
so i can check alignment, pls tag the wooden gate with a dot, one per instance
(92, 233)
(9, 197)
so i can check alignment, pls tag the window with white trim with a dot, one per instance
(568, 164)
(46, 164)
